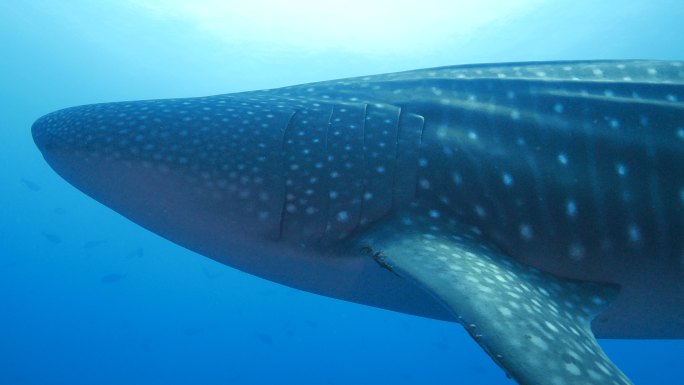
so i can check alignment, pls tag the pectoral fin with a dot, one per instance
(536, 326)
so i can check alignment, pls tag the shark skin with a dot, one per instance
(540, 205)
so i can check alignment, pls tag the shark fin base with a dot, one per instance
(536, 326)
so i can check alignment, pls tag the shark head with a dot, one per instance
(170, 162)
(235, 179)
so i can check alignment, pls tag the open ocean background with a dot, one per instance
(87, 297)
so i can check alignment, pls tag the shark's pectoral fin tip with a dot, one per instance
(534, 325)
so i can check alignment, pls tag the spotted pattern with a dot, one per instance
(380, 153)
(570, 167)
(408, 146)
(304, 210)
(346, 189)
(534, 325)
(560, 129)
(307, 173)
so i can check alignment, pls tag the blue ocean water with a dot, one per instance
(87, 297)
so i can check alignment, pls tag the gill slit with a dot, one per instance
(283, 155)
(363, 165)
(326, 209)
(396, 158)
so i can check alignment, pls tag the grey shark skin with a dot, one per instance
(522, 200)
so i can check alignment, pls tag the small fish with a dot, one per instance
(112, 278)
(265, 338)
(52, 238)
(31, 185)
(138, 253)
(93, 244)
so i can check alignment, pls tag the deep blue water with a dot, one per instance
(87, 297)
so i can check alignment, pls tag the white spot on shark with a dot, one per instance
(538, 342)
(573, 369)
(551, 326)
(634, 233)
(342, 216)
(613, 123)
(621, 169)
(563, 159)
(576, 252)
(571, 208)
(526, 232)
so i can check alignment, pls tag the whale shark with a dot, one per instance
(540, 205)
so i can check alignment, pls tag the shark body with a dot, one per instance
(522, 200)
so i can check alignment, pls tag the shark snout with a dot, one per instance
(77, 133)
(68, 129)
(43, 132)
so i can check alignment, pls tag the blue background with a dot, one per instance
(87, 297)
